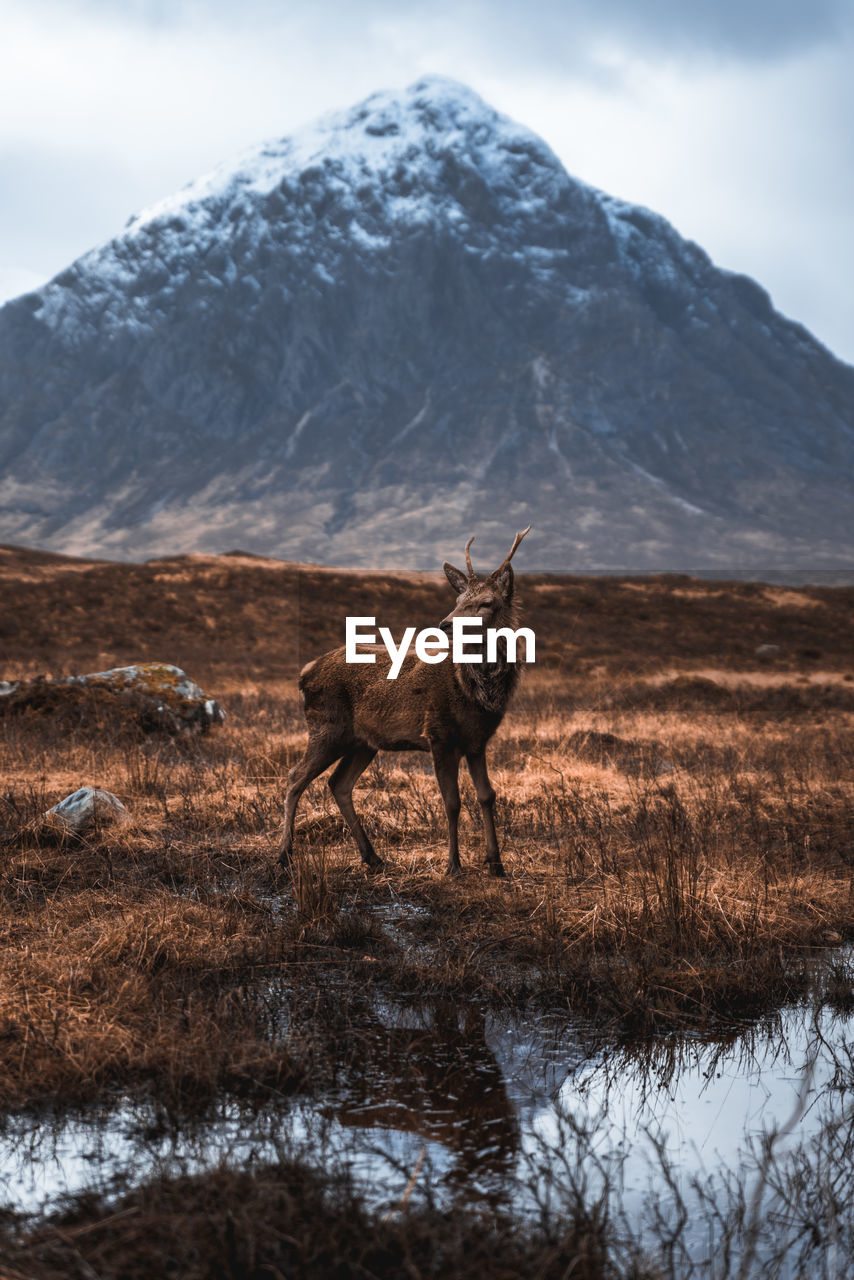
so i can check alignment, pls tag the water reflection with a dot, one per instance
(440, 1081)
(682, 1139)
(702, 1102)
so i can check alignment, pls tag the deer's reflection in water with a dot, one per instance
(441, 1081)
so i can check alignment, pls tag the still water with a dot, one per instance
(700, 1140)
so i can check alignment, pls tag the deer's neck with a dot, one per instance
(490, 684)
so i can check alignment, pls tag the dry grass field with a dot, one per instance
(675, 815)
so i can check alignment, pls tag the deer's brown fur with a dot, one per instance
(451, 710)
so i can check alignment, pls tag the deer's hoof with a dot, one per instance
(373, 864)
(453, 869)
(496, 869)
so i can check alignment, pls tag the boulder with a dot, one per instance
(156, 694)
(87, 807)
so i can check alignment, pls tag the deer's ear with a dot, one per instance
(502, 580)
(456, 577)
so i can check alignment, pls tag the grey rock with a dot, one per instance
(157, 694)
(85, 808)
(403, 325)
(173, 697)
(768, 652)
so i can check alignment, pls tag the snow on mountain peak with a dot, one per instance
(434, 154)
(372, 139)
(433, 158)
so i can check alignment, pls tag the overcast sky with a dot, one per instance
(733, 118)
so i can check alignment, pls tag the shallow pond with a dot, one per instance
(698, 1140)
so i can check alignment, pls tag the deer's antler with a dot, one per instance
(468, 557)
(516, 541)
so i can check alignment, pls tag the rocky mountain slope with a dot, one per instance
(404, 324)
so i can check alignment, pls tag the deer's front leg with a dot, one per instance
(447, 766)
(486, 798)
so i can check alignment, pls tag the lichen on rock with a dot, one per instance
(156, 694)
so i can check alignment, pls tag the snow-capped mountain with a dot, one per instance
(402, 325)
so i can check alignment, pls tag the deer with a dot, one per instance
(448, 709)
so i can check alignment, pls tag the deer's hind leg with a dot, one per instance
(349, 769)
(319, 755)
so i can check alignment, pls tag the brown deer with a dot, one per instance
(449, 709)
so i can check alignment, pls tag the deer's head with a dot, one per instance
(489, 598)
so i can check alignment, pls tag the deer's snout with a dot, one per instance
(447, 625)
